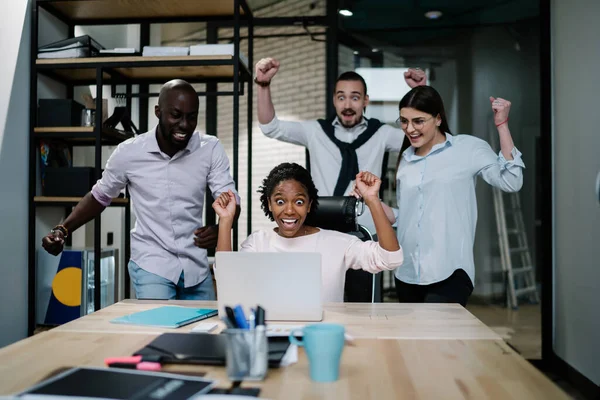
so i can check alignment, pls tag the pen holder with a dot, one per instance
(247, 354)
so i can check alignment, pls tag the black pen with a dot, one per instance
(231, 316)
(260, 316)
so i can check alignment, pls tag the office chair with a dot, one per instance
(340, 213)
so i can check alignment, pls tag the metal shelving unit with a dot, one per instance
(128, 71)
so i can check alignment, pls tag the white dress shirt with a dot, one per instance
(167, 195)
(325, 156)
(438, 208)
(339, 252)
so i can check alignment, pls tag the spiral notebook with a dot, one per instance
(167, 316)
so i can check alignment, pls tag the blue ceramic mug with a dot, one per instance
(323, 344)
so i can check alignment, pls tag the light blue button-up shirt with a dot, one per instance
(438, 208)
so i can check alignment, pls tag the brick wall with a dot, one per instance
(298, 92)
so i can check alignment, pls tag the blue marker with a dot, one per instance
(240, 317)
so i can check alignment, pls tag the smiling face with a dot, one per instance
(350, 101)
(177, 114)
(289, 203)
(421, 128)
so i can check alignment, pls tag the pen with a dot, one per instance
(231, 317)
(251, 320)
(260, 316)
(227, 323)
(240, 317)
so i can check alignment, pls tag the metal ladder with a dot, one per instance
(519, 277)
(512, 238)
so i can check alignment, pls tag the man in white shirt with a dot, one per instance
(342, 145)
(166, 171)
(338, 147)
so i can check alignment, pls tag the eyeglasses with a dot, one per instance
(417, 123)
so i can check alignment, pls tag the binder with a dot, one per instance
(167, 316)
(203, 349)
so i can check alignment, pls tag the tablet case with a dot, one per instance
(203, 348)
(167, 316)
(116, 383)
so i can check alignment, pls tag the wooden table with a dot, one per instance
(362, 320)
(371, 368)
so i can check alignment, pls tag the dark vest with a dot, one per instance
(349, 167)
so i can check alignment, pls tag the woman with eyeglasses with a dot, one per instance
(435, 190)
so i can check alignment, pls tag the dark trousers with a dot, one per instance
(455, 289)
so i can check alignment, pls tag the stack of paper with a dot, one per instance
(120, 50)
(155, 51)
(215, 50)
(81, 46)
(71, 51)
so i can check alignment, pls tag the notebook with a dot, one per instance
(167, 316)
(117, 383)
(203, 348)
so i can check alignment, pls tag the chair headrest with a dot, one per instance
(338, 213)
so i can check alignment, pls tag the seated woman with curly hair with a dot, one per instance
(289, 197)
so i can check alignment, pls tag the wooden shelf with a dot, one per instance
(52, 201)
(143, 69)
(136, 10)
(64, 129)
(79, 135)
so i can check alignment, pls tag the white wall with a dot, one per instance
(576, 62)
(14, 167)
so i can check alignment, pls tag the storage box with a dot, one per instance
(59, 112)
(68, 182)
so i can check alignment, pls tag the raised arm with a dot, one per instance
(219, 181)
(294, 132)
(367, 185)
(225, 207)
(501, 109)
(265, 71)
(504, 170)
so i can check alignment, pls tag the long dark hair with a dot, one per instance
(425, 99)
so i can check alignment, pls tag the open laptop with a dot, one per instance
(286, 285)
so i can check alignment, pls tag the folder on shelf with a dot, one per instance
(77, 47)
(167, 316)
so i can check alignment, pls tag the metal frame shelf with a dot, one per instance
(129, 71)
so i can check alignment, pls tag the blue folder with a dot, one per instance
(167, 316)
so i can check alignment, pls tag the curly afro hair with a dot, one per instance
(286, 172)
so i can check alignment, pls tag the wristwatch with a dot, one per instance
(263, 84)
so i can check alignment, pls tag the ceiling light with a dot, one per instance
(356, 52)
(433, 14)
(375, 50)
(345, 12)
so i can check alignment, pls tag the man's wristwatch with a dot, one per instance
(62, 229)
(263, 84)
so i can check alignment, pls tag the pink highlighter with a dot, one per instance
(132, 362)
